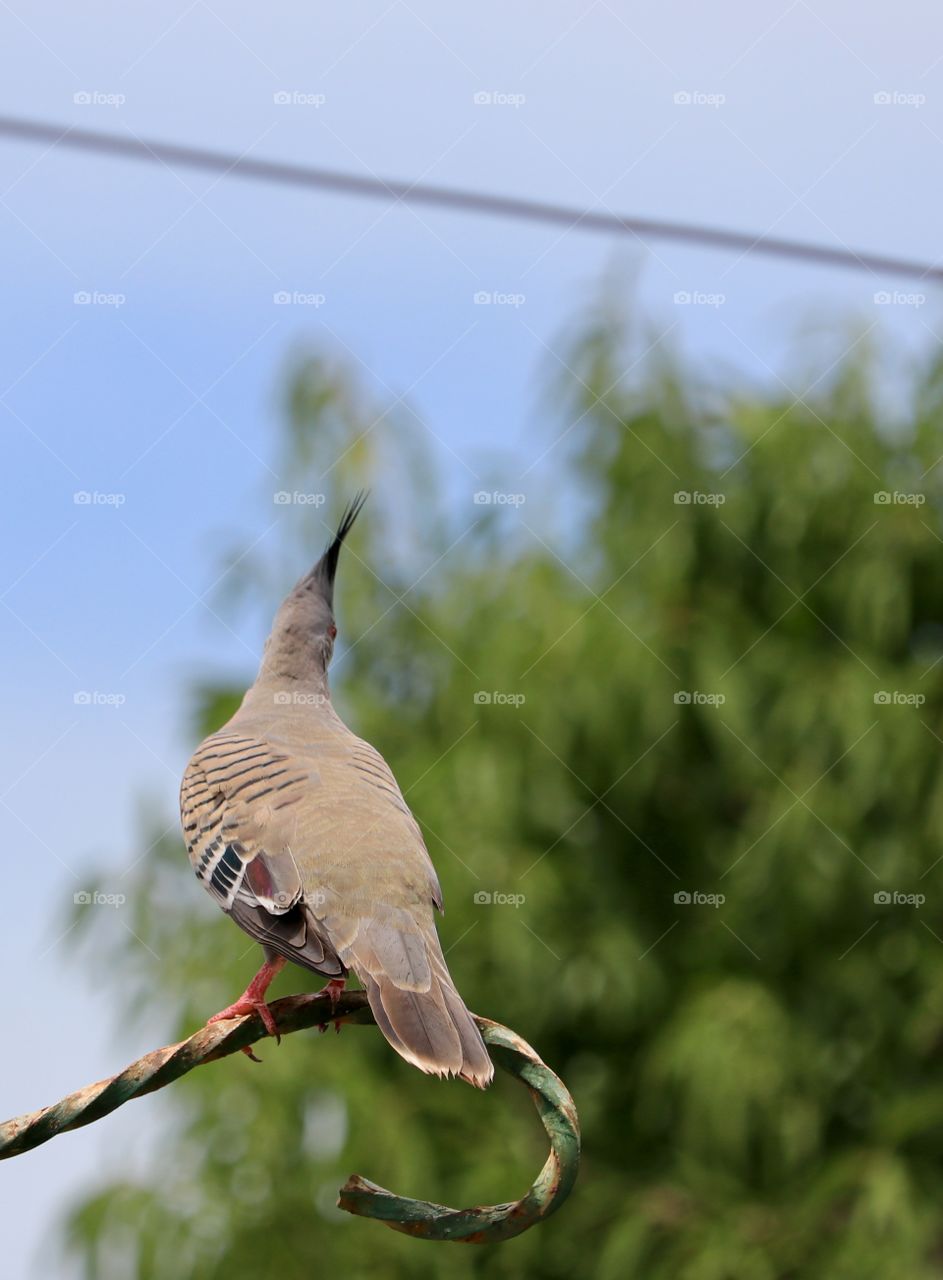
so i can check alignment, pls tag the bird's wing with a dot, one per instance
(239, 802)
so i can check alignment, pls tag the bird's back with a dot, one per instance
(296, 789)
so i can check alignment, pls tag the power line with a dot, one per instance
(286, 174)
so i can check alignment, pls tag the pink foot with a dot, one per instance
(243, 1007)
(333, 990)
(252, 1000)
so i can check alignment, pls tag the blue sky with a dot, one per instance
(170, 400)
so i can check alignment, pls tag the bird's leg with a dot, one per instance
(333, 990)
(252, 1000)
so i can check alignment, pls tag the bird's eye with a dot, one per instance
(331, 630)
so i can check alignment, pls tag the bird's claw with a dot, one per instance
(333, 989)
(243, 1007)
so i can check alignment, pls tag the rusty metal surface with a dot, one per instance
(488, 1224)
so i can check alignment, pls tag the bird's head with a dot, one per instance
(301, 643)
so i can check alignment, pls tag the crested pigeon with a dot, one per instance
(299, 831)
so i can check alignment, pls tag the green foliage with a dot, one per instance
(759, 1078)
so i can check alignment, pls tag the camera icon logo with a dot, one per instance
(682, 898)
(882, 898)
(482, 698)
(682, 698)
(482, 898)
(82, 899)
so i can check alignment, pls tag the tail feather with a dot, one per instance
(432, 1029)
(477, 1067)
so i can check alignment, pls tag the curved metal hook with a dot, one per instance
(491, 1223)
(420, 1218)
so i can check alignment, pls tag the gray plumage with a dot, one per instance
(299, 831)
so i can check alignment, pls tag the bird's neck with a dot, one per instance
(278, 692)
(292, 671)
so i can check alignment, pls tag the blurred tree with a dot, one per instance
(712, 796)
